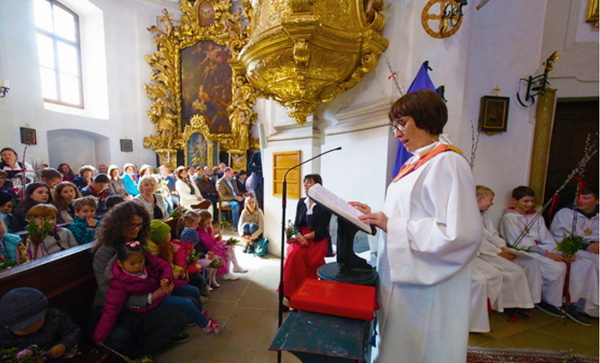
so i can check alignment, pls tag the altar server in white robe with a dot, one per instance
(521, 228)
(486, 283)
(583, 285)
(519, 284)
(427, 241)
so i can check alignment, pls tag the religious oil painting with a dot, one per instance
(28, 136)
(493, 113)
(200, 151)
(206, 84)
(126, 145)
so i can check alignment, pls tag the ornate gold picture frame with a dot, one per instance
(201, 148)
(195, 77)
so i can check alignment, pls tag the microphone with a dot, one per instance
(283, 206)
(311, 159)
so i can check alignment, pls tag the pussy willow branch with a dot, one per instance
(474, 143)
(589, 150)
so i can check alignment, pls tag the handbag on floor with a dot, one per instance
(260, 247)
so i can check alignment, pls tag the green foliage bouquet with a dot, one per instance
(38, 228)
(289, 230)
(570, 244)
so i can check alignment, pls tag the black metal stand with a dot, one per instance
(283, 207)
(349, 267)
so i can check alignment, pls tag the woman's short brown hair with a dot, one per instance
(425, 106)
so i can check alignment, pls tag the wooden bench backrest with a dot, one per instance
(65, 277)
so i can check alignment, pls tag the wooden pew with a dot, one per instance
(65, 277)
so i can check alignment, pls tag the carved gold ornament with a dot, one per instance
(303, 53)
(214, 32)
(442, 18)
(592, 12)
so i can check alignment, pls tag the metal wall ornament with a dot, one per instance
(442, 18)
(215, 27)
(302, 53)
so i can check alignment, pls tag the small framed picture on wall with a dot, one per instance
(126, 145)
(493, 114)
(28, 136)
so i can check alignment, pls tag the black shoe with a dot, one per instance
(180, 338)
(250, 249)
(246, 249)
(549, 309)
(576, 315)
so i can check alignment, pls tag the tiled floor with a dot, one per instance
(248, 310)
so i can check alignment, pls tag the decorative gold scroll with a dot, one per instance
(220, 24)
(592, 12)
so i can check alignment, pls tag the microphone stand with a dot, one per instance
(283, 206)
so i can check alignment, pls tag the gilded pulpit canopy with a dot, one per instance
(305, 52)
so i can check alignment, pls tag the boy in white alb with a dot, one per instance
(520, 273)
(486, 283)
(583, 217)
(523, 228)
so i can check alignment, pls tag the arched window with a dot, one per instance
(59, 53)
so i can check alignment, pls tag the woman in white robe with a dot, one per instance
(427, 242)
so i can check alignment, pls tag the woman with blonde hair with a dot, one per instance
(251, 224)
(154, 204)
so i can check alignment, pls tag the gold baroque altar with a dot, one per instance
(201, 96)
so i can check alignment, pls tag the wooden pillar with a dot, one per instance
(544, 119)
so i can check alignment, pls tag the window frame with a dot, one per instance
(56, 39)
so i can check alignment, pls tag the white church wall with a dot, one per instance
(504, 46)
(82, 142)
(273, 207)
(575, 74)
(509, 40)
(123, 115)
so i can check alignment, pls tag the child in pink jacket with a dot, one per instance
(138, 272)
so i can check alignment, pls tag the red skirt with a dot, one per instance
(302, 262)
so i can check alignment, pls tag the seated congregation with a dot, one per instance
(149, 272)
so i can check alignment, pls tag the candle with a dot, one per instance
(5, 83)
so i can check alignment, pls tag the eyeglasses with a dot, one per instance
(400, 126)
(135, 225)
